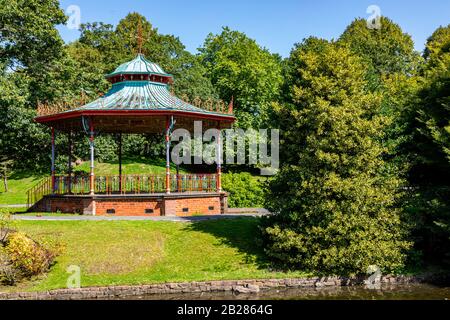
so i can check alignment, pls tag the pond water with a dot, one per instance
(417, 291)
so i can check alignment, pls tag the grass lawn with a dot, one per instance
(18, 186)
(138, 165)
(20, 183)
(144, 252)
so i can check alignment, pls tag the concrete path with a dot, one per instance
(105, 218)
(13, 205)
(259, 211)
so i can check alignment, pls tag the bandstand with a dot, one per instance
(139, 102)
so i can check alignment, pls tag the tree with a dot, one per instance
(28, 37)
(434, 112)
(34, 68)
(239, 68)
(104, 40)
(115, 46)
(393, 66)
(334, 201)
(385, 51)
(4, 167)
(431, 146)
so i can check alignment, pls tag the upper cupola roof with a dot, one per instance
(139, 65)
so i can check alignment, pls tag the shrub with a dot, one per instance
(8, 274)
(244, 189)
(27, 256)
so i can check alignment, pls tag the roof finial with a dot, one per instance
(139, 36)
(230, 106)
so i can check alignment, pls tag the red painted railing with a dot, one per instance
(125, 184)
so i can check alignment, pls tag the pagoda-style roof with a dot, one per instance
(141, 95)
(139, 101)
(139, 65)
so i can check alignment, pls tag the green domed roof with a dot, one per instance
(139, 65)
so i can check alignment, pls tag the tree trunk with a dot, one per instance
(5, 182)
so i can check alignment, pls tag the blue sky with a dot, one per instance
(275, 24)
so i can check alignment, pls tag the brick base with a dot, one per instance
(178, 204)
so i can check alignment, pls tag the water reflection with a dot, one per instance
(385, 292)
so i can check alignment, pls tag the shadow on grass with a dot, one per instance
(240, 233)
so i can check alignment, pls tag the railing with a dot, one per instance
(125, 184)
(145, 184)
(194, 183)
(43, 188)
(130, 184)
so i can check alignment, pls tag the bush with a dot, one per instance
(21, 256)
(8, 274)
(244, 189)
(27, 256)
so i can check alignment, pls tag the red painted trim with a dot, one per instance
(91, 129)
(79, 113)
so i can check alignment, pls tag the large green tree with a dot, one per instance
(435, 111)
(113, 46)
(30, 53)
(334, 201)
(22, 141)
(242, 70)
(431, 147)
(393, 64)
(28, 37)
(385, 51)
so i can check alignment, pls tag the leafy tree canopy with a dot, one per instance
(28, 37)
(334, 202)
(239, 68)
(115, 46)
(386, 50)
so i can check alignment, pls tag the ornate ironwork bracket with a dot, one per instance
(86, 123)
(169, 130)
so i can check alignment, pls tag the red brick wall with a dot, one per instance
(170, 206)
(198, 206)
(65, 205)
(128, 207)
